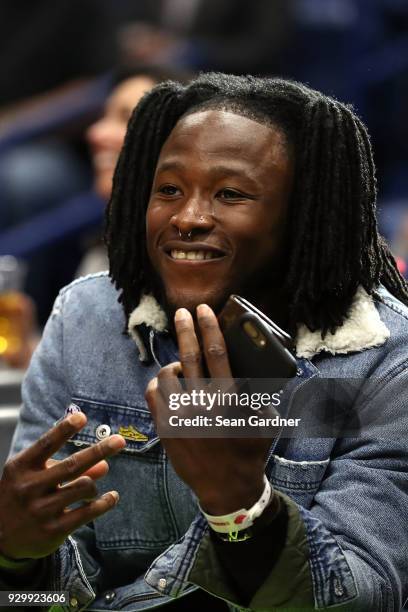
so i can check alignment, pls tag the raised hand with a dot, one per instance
(34, 518)
(225, 473)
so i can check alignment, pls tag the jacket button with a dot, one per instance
(102, 431)
(299, 372)
(162, 583)
(73, 602)
(109, 596)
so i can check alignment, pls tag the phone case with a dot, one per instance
(257, 347)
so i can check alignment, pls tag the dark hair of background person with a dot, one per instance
(332, 236)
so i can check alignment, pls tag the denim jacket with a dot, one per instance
(347, 541)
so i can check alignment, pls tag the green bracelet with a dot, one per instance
(235, 536)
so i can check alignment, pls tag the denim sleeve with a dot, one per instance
(347, 551)
(357, 528)
(46, 394)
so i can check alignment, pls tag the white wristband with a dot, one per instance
(243, 518)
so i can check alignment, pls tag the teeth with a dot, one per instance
(196, 255)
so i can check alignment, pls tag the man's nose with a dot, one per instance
(195, 214)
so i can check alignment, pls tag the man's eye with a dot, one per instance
(168, 190)
(231, 194)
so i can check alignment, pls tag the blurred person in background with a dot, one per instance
(52, 268)
(400, 246)
(394, 220)
(105, 139)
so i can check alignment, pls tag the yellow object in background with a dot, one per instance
(17, 315)
(12, 324)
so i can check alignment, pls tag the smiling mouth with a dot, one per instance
(198, 255)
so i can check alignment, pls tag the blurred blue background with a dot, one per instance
(57, 70)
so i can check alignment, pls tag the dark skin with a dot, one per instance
(34, 519)
(226, 179)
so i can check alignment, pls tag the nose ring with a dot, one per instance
(188, 235)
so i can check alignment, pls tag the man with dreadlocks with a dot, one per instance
(265, 188)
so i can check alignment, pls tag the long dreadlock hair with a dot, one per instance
(334, 244)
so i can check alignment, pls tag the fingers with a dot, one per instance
(168, 381)
(96, 471)
(73, 519)
(160, 389)
(215, 350)
(76, 464)
(52, 505)
(151, 395)
(51, 441)
(189, 348)
(171, 372)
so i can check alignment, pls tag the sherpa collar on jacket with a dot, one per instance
(361, 330)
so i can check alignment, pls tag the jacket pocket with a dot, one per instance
(133, 423)
(300, 480)
(142, 523)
